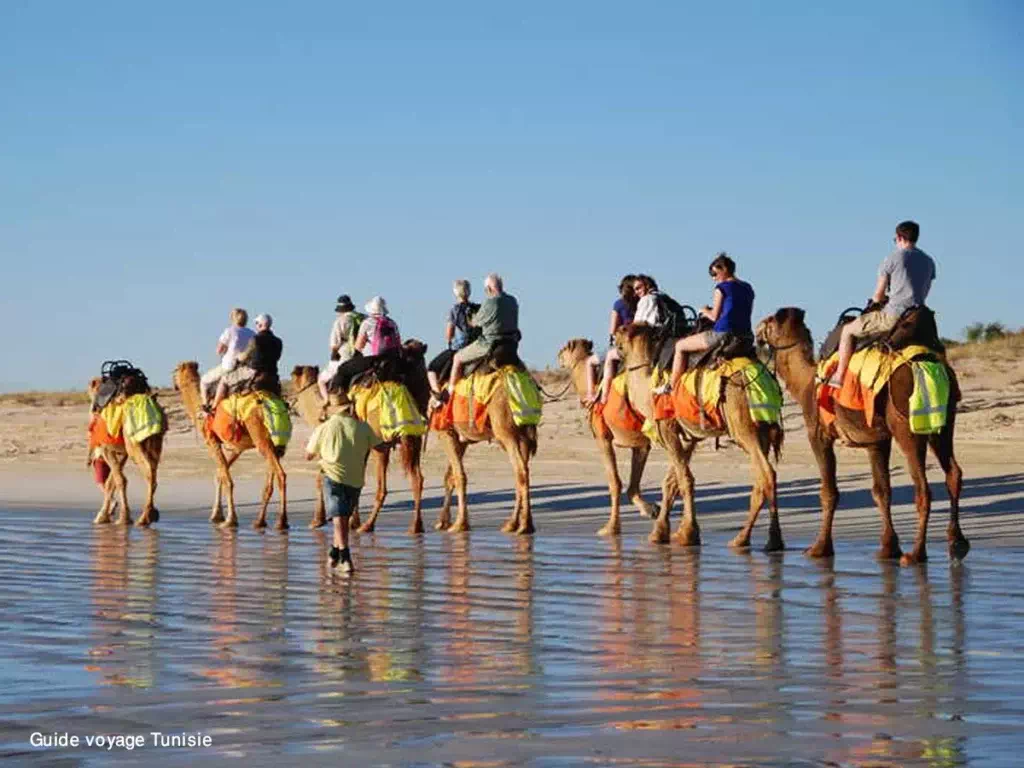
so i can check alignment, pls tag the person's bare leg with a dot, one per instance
(435, 385)
(592, 364)
(222, 391)
(456, 373)
(608, 374)
(846, 341)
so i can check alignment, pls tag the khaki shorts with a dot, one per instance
(242, 374)
(477, 350)
(872, 323)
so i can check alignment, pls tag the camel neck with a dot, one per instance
(578, 374)
(309, 403)
(798, 373)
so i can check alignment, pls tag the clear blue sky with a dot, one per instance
(160, 163)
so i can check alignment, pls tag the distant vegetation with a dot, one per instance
(976, 332)
(987, 340)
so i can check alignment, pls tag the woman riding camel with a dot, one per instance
(622, 314)
(236, 337)
(378, 338)
(458, 333)
(731, 312)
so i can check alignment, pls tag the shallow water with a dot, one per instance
(488, 650)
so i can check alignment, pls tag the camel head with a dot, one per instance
(784, 329)
(574, 351)
(637, 343)
(412, 348)
(304, 376)
(94, 385)
(185, 372)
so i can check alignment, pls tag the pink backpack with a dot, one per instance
(385, 336)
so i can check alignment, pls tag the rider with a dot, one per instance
(458, 333)
(378, 338)
(906, 276)
(235, 338)
(342, 341)
(622, 314)
(647, 308)
(497, 319)
(256, 364)
(731, 314)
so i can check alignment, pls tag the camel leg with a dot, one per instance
(915, 449)
(637, 463)
(455, 449)
(825, 455)
(411, 448)
(319, 508)
(942, 447)
(613, 527)
(121, 487)
(521, 459)
(444, 519)
(381, 459)
(268, 491)
(148, 465)
(226, 484)
(274, 472)
(881, 491)
(688, 532)
(763, 489)
(103, 516)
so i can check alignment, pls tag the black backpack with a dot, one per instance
(118, 375)
(675, 319)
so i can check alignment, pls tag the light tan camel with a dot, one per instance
(573, 357)
(186, 381)
(146, 455)
(786, 334)
(310, 405)
(639, 345)
(519, 444)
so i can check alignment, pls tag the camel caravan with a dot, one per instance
(673, 376)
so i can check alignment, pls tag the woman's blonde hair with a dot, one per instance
(239, 317)
(461, 290)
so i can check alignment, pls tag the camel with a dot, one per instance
(310, 405)
(186, 381)
(786, 334)
(639, 345)
(519, 444)
(146, 456)
(573, 357)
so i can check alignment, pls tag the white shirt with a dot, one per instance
(647, 309)
(235, 339)
(342, 333)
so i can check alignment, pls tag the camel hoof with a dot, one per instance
(820, 549)
(101, 520)
(154, 515)
(958, 548)
(314, 524)
(739, 541)
(774, 543)
(282, 525)
(217, 519)
(125, 521)
(442, 525)
(143, 522)
(688, 537)
(913, 558)
(354, 522)
(259, 524)
(890, 551)
(228, 524)
(459, 527)
(415, 528)
(648, 511)
(659, 536)
(366, 527)
(610, 530)
(526, 530)
(509, 527)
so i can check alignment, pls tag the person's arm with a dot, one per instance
(449, 333)
(613, 323)
(313, 446)
(881, 288)
(335, 341)
(715, 311)
(361, 337)
(246, 354)
(486, 314)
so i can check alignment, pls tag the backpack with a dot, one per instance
(353, 329)
(384, 337)
(672, 317)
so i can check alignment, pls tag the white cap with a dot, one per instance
(264, 319)
(377, 306)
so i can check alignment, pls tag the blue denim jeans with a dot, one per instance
(339, 498)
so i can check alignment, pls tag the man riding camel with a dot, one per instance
(498, 321)
(256, 365)
(905, 276)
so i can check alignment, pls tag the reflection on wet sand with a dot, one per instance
(462, 649)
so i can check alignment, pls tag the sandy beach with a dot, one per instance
(490, 650)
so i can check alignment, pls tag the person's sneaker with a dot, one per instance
(333, 557)
(346, 566)
(664, 389)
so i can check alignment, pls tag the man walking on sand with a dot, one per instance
(341, 443)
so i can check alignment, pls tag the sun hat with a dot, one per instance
(344, 304)
(377, 306)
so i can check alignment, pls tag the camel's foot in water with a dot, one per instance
(660, 534)
(368, 527)
(125, 520)
(459, 526)
(416, 526)
(354, 521)
(959, 547)
(282, 524)
(317, 522)
(259, 523)
(775, 542)
(611, 528)
(217, 517)
(917, 556)
(740, 541)
(820, 548)
(646, 509)
(144, 521)
(509, 526)
(687, 535)
(101, 518)
(526, 528)
(228, 524)
(442, 524)
(889, 549)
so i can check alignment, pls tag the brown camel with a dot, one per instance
(186, 381)
(519, 444)
(573, 357)
(146, 455)
(787, 335)
(639, 346)
(310, 405)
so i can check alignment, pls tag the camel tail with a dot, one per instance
(776, 437)
(410, 449)
(530, 435)
(279, 450)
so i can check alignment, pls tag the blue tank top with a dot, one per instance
(737, 307)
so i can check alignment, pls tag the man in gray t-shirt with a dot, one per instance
(905, 277)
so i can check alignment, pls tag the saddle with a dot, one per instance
(118, 377)
(915, 326)
(504, 352)
(728, 347)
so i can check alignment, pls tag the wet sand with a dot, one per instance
(488, 650)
